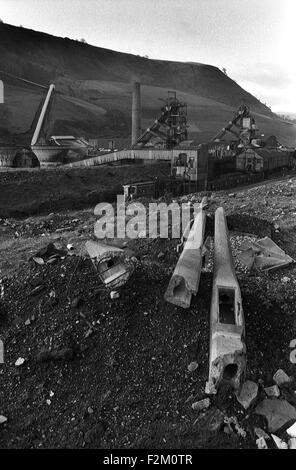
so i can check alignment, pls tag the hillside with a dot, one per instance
(93, 86)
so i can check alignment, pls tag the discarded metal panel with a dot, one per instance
(185, 279)
(227, 347)
(263, 254)
(113, 266)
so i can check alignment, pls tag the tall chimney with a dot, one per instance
(136, 113)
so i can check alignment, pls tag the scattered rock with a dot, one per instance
(37, 290)
(280, 377)
(192, 366)
(279, 442)
(3, 419)
(49, 251)
(38, 260)
(160, 255)
(76, 302)
(288, 393)
(248, 394)
(19, 361)
(89, 333)
(114, 294)
(277, 412)
(292, 430)
(233, 425)
(272, 391)
(201, 405)
(261, 443)
(292, 443)
(261, 433)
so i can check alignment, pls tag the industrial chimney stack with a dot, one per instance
(136, 113)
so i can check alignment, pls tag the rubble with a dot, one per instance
(114, 267)
(247, 394)
(114, 295)
(292, 443)
(192, 366)
(124, 341)
(277, 412)
(3, 419)
(263, 254)
(280, 377)
(261, 443)
(292, 430)
(201, 405)
(76, 302)
(233, 425)
(272, 391)
(279, 442)
(19, 361)
(261, 433)
(211, 421)
(49, 254)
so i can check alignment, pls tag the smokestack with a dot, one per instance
(136, 113)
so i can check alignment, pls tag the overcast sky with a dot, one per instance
(253, 39)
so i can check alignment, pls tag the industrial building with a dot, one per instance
(263, 159)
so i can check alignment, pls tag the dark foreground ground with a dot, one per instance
(102, 373)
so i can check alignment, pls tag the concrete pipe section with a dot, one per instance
(227, 347)
(185, 279)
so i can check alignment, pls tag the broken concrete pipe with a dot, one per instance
(227, 348)
(113, 266)
(185, 279)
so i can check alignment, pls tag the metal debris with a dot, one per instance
(114, 267)
(263, 254)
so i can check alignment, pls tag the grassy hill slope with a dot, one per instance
(93, 86)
